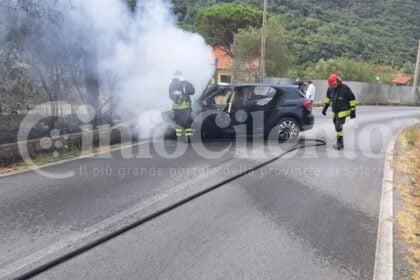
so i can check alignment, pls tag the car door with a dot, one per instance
(259, 102)
(218, 111)
(294, 102)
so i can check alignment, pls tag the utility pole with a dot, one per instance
(90, 64)
(263, 39)
(417, 72)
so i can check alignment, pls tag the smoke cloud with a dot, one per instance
(136, 52)
(142, 50)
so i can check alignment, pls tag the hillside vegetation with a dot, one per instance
(383, 32)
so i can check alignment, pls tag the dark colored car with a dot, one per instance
(272, 111)
(280, 111)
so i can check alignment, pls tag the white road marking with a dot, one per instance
(384, 269)
(105, 226)
(92, 155)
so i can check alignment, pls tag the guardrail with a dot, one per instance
(9, 153)
(366, 93)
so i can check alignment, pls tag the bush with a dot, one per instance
(349, 70)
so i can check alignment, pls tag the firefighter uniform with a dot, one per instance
(343, 105)
(179, 92)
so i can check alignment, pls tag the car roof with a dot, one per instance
(290, 86)
(287, 88)
(284, 87)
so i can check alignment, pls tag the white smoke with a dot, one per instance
(142, 50)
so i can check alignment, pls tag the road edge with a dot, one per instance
(124, 221)
(59, 162)
(384, 266)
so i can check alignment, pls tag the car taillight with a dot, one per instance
(307, 105)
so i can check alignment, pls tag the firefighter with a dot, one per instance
(343, 104)
(180, 91)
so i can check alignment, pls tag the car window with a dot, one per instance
(222, 97)
(258, 95)
(209, 91)
(261, 92)
(219, 99)
(293, 93)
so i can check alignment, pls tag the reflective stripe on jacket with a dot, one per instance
(342, 100)
(179, 92)
(183, 105)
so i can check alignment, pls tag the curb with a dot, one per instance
(31, 168)
(383, 269)
(384, 266)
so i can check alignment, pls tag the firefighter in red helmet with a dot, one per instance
(343, 105)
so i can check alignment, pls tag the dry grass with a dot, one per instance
(44, 159)
(408, 161)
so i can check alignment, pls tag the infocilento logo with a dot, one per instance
(55, 143)
(369, 140)
(155, 132)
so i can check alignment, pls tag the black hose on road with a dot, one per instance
(122, 230)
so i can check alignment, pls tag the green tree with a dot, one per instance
(379, 32)
(219, 23)
(247, 46)
(348, 69)
(408, 68)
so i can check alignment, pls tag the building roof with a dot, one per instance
(402, 79)
(224, 61)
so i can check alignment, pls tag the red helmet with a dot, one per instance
(333, 80)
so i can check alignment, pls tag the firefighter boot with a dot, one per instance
(340, 143)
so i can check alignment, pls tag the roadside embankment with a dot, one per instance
(407, 216)
(55, 148)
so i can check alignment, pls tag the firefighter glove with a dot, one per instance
(353, 115)
(324, 111)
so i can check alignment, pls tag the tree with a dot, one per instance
(379, 32)
(348, 69)
(219, 23)
(408, 68)
(51, 50)
(16, 84)
(247, 46)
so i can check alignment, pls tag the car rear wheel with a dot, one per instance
(288, 129)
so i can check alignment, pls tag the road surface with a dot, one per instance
(312, 214)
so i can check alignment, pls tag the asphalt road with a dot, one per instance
(312, 214)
